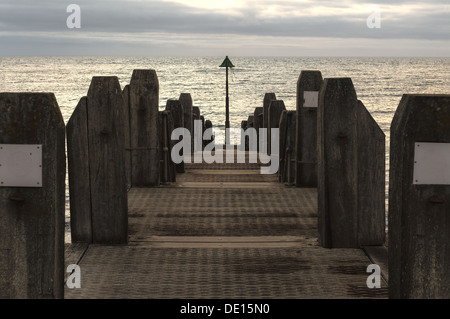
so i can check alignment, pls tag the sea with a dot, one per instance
(379, 82)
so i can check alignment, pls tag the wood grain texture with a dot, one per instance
(107, 161)
(144, 128)
(337, 164)
(32, 230)
(306, 130)
(186, 102)
(371, 180)
(78, 169)
(268, 97)
(127, 132)
(286, 171)
(167, 166)
(177, 113)
(351, 160)
(419, 229)
(276, 107)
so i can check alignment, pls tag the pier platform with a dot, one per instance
(224, 231)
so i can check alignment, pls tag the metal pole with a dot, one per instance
(227, 112)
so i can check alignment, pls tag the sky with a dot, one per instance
(225, 27)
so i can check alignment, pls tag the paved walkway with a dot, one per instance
(223, 231)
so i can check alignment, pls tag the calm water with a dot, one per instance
(379, 82)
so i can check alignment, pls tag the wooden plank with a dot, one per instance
(32, 218)
(78, 169)
(107, 161)
(74, 252)
(144, 128)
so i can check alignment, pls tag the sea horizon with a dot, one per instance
(379, 82)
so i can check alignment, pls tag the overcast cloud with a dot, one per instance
(218, 27)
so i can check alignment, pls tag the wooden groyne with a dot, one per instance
(144, 226)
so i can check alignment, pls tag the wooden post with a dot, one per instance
(268, 97)
(351, 171)
(144, 128)
(286, 171)
(308, 86)
(419, 198)
(371, 156)
(177, 112)
(167, 166)
(78, 169)
(196, 112)
(276, 107)
(105, 113)
(186, 103)
(31, 214)
(126, 121)
(258, 120)
(208, 125)
(244, 139)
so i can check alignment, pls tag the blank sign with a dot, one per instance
(311, 98)
(20, 165)
(431, 164)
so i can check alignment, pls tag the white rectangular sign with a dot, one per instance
(20, 165)
(431, 164)
(311, 99)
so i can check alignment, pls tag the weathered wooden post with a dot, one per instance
(32, 196)
(177, 112)
(308, 86)
(107, 161)
(186, 102)
(275, 109)
(126, 121)
(244, 139)
(97, 172)
(258, 118)
(286, 171)
(195, 117)
(419, 198)
(79, 179)
(196, 113)
(144, 128)
(167, 166)
(208, 125)
(250, 121)
(351, 169)
(268, 97)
